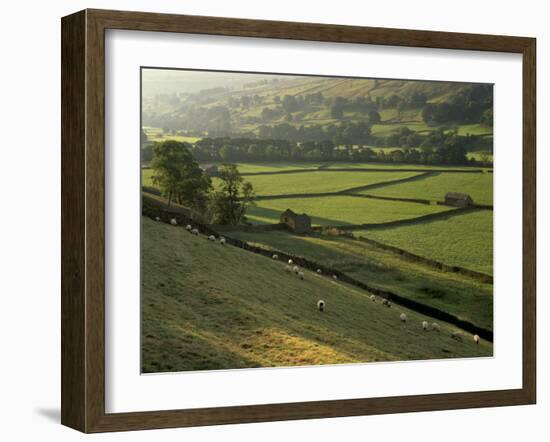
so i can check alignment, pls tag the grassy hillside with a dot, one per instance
(205, 306)
(170, 107)
(462, 296)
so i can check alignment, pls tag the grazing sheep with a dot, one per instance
(275, 256)
(436, 327)
(173, 222)
(301, 275)
(188, 227)
(222, 240)
(157, 218)
(321, 305)
(386, 302)
(211, 238)
(476, 339)
(288, 269)
(372, 298)
(403, 317)
(290, 262)
(457, 336)
(195, 231)
(425, 325)
(335, 277)
(319, 271)
(295, 269)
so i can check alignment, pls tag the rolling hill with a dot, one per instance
(206, 306)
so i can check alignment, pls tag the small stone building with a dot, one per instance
(211, 170)
(295, 222)
(458, 199)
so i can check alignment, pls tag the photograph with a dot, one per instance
(302, 220)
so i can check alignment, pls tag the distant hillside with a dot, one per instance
(254, 105)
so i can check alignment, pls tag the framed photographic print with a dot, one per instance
(268, 221)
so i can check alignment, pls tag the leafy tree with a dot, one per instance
(487, 118)
(178, 175)
(230, 202)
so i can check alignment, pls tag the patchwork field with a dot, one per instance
(319, 181)
(462, 296)
(274, 167)
(423, 167)
(465, 240)
(341, 210)
(253, 313)
(478, 185)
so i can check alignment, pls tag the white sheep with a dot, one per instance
(173, 222)
(319, 271)
(157, 218)
(290, 262)
(436, 327)
(372, 298)
(386, 302)
(211, 238)
(321, 305)
(301, 275)
(295, 269)
(335, 277)
(476, 339)
(457, 336)
(425, 325)
(222, 240)
(195, 231)
(403, 317)
(288, 269)
(188, 227)
(275, 256)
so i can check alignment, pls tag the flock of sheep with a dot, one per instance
(291, 268)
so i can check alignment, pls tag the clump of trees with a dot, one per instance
(179, 176)
(181, 180)
(473, 104)
(229, 203)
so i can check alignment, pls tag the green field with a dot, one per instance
(474, 129)
(464, 240)
(147, 177)
(207, 307)
(274, 167)
(389, 128)
(426, 167)
(319, 181)
(478, 185)
(341, 210)
(156, 134)
(451, 292)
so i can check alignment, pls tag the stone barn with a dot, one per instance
(211, 170)
(295, 222)
(458, 199)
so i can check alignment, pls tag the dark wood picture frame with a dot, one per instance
(83, 220)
